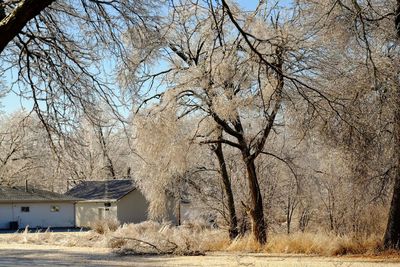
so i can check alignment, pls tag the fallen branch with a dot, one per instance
(159, 250)
(173, 249)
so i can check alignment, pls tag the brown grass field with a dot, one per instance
(50, 255)
(151, 244)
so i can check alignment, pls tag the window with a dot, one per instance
(101, 214)
(24, 209)
(55, 209)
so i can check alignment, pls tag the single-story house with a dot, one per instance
(119, 199)
(23, 206)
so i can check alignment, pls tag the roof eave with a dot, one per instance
(5, 201)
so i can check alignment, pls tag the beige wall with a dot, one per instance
(132, 208)
(88, 212)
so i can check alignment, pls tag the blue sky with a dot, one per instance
(12, 102)
(251, 4)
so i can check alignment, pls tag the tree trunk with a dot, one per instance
(392, 233)
(289, 213)
(109, 164)
(13, 23)
(256, 210)
(233, 224)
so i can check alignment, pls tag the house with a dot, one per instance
(23, 206)
(119, 199)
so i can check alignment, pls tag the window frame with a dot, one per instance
(25, 209)
(54, 208)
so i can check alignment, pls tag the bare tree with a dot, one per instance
(226, 82)
(369, 32)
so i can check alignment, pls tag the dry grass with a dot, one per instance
(155, 238)
(189, 239)
(323, 244)
(105, 225)
(68, 239)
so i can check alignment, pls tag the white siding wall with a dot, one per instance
(39, 215)
(88, 212)
(6, 215)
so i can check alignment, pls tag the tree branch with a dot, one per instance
(224, 141)
(13, 23)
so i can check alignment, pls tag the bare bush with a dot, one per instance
(155, 238)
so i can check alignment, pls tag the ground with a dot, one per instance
(45, 255)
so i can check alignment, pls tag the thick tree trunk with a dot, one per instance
(233, 224)
(256, 209)
(392, 234)
(13, 23)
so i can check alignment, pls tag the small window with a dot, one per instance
(101, 213)
(55, 209)
(24, 209)
(107, 204)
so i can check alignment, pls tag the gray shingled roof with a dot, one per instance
(111, 189)
(19, 193)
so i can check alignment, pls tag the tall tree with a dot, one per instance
(392, 233)
(216, 73)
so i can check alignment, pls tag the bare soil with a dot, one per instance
(45, 255)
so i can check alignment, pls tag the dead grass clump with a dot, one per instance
(69, 239)
(27, 236)
(358, 245)
(214, 240)
(322, 244)
(246, 243)
(302, 243)
(105, 225)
